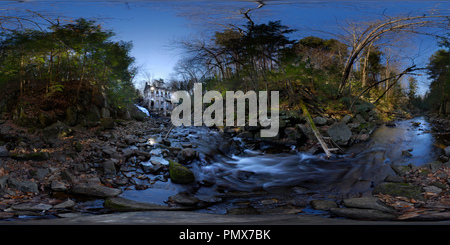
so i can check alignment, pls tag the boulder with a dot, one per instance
(32, 207)
(3, 181)
(394, 178)
(187, 155)
(399, 189)
(180, 174)
(92, 113)
(184, 198)
(58, 185)
(40, 173)
(366, 214)
(354, 125)
(293, 133)
(400, 170)
(104, 112)
(323, 204)
(108, 150)
(320, 121)
(109, 167)
(339, 132)
(230, 147)
(152, 167)
(71, 116)
(123, 204)
(107, 122)
(406, 154)
(307, 130)
(55, 131)
(95, 189)
(67, 204)
(25, 186)
(432, 189)
(360, 118)
(346, 119)
(4, 152)
(447, 151)
(68, 176)
(434, 166)
(368, 203)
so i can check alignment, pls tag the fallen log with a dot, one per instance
(315, 130)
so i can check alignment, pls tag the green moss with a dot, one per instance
(114, 205)
(38, 156)
(78, 147)
(399, 189)
(180, 174)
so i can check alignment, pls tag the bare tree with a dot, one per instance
(359, 37)
(20, 19)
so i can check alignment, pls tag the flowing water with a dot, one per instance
(366, 164)
(231, 164)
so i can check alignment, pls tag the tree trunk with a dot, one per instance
(366, 64)
(315, 130)
(81, 82)
(376, 30)
(21, 78)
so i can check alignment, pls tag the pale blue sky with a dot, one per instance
(153, 25)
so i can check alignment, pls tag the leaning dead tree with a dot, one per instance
(360, 38)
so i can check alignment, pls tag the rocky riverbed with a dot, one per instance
(118, 165)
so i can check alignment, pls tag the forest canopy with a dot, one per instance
(362, 66)
(78, 51)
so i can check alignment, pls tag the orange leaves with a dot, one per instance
(433, 178)
(2, 172)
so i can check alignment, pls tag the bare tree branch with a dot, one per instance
(376, 30)
(398, 76)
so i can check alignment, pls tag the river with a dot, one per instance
(229, 166)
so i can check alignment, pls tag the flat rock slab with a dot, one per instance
(439, 216)
(94, 189)
(123, 204)
(399, 189)
(362, 214)
(31, 207)
(323, 204)
(368, 203)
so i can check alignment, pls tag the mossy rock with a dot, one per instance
(401, 170)
(78, 147)
(180, 174)
(37, 156)
(56, 131)
(107, 122)
(399, 189)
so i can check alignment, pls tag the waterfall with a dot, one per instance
(143, 109)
